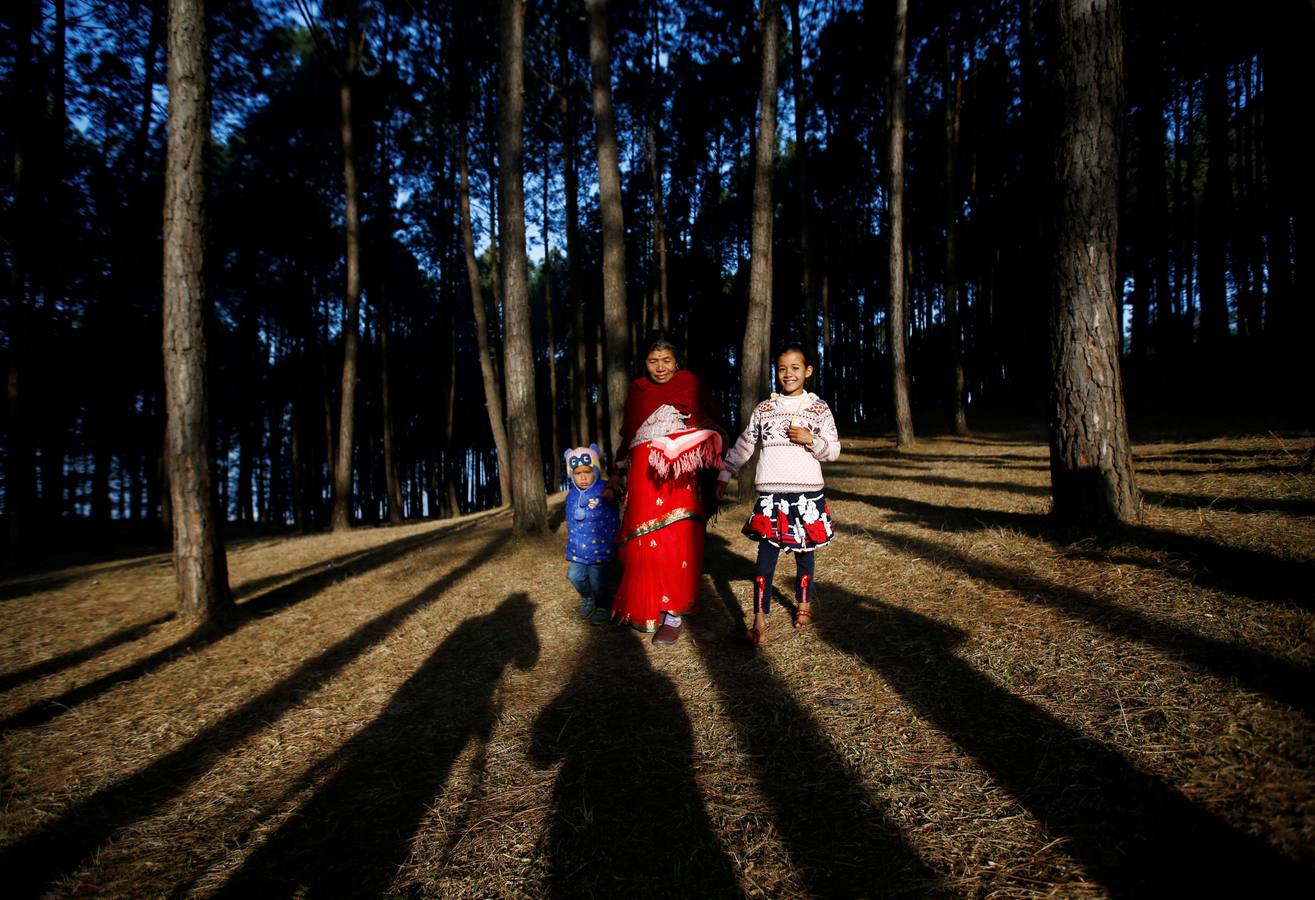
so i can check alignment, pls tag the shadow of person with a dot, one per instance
(834, 828)
(1133, 832)
(628, 819)
(350, 837)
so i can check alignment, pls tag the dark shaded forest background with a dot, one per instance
(1214, 237)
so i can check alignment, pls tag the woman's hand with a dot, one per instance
(799, 434)
(611, 492)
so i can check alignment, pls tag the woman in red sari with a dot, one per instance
(669, 435)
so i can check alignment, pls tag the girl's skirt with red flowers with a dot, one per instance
(662, 529)
(797, 523)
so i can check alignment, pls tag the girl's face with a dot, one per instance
(791, 372)
(583, 477)
(661, 366)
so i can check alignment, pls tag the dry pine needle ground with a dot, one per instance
(985, 707)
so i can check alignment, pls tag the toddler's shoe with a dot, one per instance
(601, 616)
(586, 607)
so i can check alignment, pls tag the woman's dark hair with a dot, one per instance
(793, 348)
(658, 341)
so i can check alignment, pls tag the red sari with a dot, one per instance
(662, 527)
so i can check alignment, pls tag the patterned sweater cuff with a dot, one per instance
(819, 447)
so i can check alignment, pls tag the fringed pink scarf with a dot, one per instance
(685, 452)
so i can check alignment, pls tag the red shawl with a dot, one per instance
(684, 391)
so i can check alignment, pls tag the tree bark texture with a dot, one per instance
(616, 326)
(492, 390)
(755, 375)
(342, 470)
(529, 500)
(1092, 479)
(203, 595)
(896, 317)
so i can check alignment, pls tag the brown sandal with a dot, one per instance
(803, 616)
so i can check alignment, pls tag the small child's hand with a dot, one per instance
(721, 489)
(799, 434)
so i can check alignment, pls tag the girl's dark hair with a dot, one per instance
(794, 348)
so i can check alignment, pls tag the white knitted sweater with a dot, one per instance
(786, 467)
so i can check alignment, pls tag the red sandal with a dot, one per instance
(758, 635)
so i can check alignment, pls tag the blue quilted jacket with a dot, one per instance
(591, 525)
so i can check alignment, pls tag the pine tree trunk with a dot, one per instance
(529, 500)
(18, 460)
(1289, 182)
(579, 336)
(199, 562)
(1216, 208)
(616, 328)
(1091, 471)
(953, 321)
(600, 417)
(492, 390)
(661, 311)
(141, 140)
(898, 91)
(450, 472)
(808, 279)
(824, 370)
(547, 309)
(755, 375)
(342, 471)
(392, 482)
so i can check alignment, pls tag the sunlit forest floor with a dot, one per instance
(984, 707)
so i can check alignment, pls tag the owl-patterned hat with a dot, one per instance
(584, 456)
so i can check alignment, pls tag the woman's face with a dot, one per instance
(661, 365)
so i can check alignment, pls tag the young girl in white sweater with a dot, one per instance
(797, 433)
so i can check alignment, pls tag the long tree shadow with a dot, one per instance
(322, 575)
(1133, 832)
(46, 667)
(1010, 487)
(1236, 570)
(1275, 469)
(37, 859)
(836, 832)
(895, 457)
(628, 819)
(351, 836)
(21, 586)
(1292, 507)
(1288, 682)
